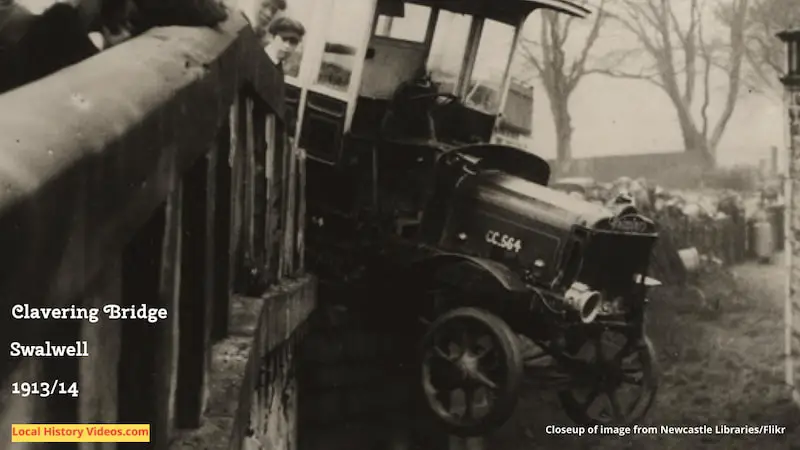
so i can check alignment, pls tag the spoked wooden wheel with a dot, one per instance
(620, 383)
(471, 371)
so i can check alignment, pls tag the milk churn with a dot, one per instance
(690, 258)
(763, 237)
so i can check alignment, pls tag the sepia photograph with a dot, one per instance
(400, 224)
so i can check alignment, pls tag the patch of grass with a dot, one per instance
(716, 367)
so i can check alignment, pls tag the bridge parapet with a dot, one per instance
(159, 173)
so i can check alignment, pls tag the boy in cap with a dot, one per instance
(285, 34)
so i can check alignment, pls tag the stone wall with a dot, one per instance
(673, 169)
(254, 391)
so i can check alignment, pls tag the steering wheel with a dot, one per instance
(442, 99)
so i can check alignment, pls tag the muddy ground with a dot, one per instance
(717, 367)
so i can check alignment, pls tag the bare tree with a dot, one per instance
(560, 76)
(681, 54)
(764, 53)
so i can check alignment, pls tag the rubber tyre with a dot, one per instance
(507, 397)
(572, 407)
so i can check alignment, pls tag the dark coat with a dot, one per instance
(34, 46)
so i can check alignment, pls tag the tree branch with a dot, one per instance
(560, 77)
(638, 30)
(578, 69)
(530, 57)
(706, 54)
(737, 45)
(676, 45)
(764, 54)
(652, 79)
(565, 29)
(690, 43)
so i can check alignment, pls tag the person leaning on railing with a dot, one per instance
(33, 46)
(284, 34)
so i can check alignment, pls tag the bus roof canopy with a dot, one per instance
(508, 11)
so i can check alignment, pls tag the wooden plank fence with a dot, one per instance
(271, 219)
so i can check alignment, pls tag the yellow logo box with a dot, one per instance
(79, 433)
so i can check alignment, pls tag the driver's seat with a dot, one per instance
(408, 115)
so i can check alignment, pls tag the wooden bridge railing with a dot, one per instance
(156, 173)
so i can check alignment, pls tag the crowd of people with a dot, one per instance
(688, 218)
(690, 203)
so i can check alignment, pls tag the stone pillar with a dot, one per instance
(792, 188)
(791, 83)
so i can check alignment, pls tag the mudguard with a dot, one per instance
(467, 272)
